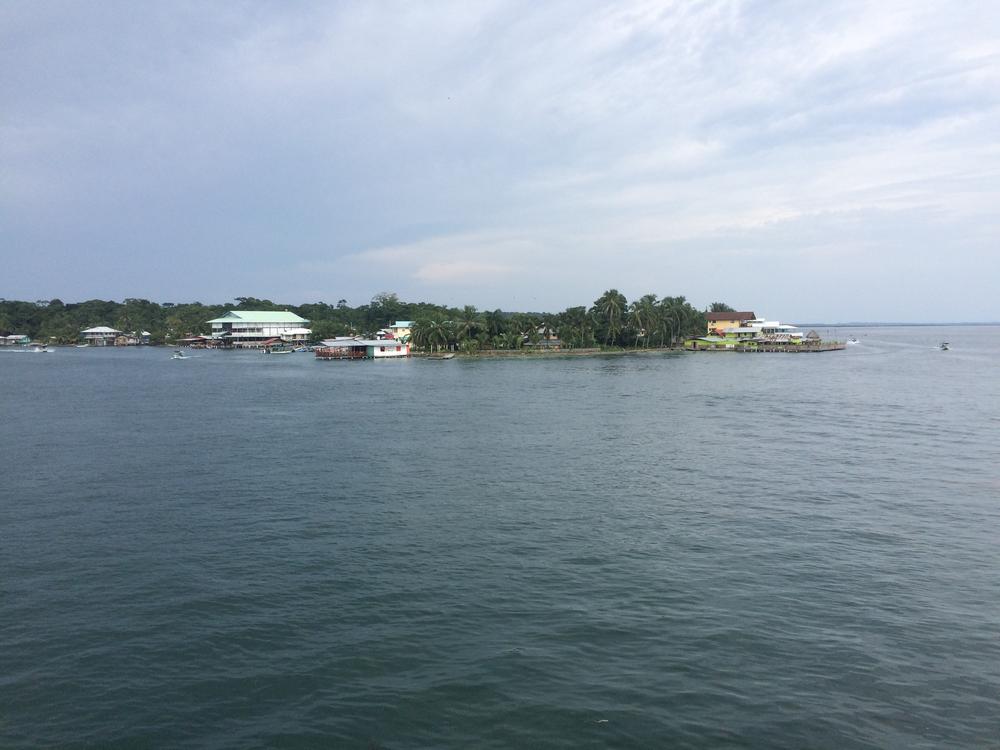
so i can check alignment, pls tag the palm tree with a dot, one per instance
(642, 314)
(420, 333)
(580, 326)
(680, 318)
(467, 324)
(429, 333)
(610, 309)
(495, 323)
(525, 326)
(441, 334)
(511, 339)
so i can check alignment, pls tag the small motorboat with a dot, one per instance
(179, 355)
(853, 340)
(279, 351)
(944, 346)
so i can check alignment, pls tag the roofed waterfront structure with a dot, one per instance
(354, 348)
(251, 328)
(100, 335)
(720, 321)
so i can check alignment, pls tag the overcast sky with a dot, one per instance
(823, 161)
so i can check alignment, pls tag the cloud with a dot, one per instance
(466, 258)
(464, 151)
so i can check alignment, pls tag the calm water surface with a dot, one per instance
(684, 551)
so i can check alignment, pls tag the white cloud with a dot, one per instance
(465, 258)
(462, 149)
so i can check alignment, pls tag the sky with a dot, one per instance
(825, 161)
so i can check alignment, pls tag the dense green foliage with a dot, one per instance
(610, 322)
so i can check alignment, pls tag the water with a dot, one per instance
(685, 551)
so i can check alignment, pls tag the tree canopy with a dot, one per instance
(610, 322)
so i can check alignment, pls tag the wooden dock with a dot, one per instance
(780, 348)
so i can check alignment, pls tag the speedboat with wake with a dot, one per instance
(179, 355)
(944, 346)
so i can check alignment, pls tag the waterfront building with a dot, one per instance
(15, 339)
(763, 335)
(100, 335)
(136, 338)
(770, 332)
(720, 321)
(401, 329)
(355, 348)
(252, 328)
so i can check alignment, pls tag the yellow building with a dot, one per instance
(720, 321)
(402, 329)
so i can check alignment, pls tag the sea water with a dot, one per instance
(701, 550)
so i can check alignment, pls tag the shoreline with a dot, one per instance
(523, 354)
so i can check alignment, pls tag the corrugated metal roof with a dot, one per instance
(259, 316)
(101, 329)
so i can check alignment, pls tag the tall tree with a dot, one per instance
(609, 310)
(467, 324)
(575, 327)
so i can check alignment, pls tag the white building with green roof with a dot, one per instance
(257, 328)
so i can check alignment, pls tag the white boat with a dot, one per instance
(853, 340)
(82, 346)
(39, 350)
(279, 351)
(179, 355)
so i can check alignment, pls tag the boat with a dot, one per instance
(39, 350)
(179, 355)
(82, 346)
(853, 340)
(441, 356)
(944, 346)
(279, 351)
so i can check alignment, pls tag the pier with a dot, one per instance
(782, 348)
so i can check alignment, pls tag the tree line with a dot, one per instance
(611, 321)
